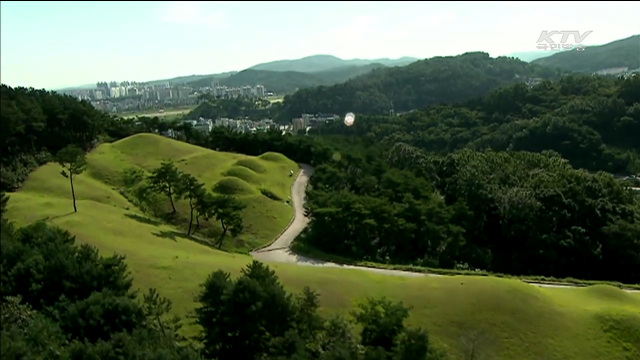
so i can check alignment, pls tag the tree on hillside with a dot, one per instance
(227, 210)
(205, 207)
(384, 334)
(239, 317)
(165, 179)
(189, 188)
(73, 162)
(253, 317)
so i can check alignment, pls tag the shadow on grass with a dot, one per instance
(171, 235)
(143, 219)
(50, 218)
(175, 235)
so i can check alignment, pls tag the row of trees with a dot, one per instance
(168, 180)
(64, 301)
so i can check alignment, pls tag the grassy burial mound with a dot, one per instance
(115, 171)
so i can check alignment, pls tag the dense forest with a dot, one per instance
(61, 300)
(37, 123)
(415, 86)
(592, 121)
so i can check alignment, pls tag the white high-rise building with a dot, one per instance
(259, 90)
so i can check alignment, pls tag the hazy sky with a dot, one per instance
(57, 44)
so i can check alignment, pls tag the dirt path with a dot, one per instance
(279, 250)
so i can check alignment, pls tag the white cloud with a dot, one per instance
(202, 13)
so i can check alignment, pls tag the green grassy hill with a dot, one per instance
(243, 176)
(514, 320)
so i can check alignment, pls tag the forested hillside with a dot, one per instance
(37, 123)
(594, 122)
(417, 85)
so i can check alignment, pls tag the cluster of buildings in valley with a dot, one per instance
(128, 96)
(304, 123)
(618, 71)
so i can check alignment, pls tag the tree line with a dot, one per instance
(63, 300)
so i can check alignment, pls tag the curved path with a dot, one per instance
(279, 250)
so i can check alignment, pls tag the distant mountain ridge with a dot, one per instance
(319, 63)
(616, 54)
(430, 81)
(286, 82)
(318, 70)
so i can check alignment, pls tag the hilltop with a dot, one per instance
(620, 53)
(320, 63)
(288, 76)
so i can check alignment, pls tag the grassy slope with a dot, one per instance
(520, 321)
